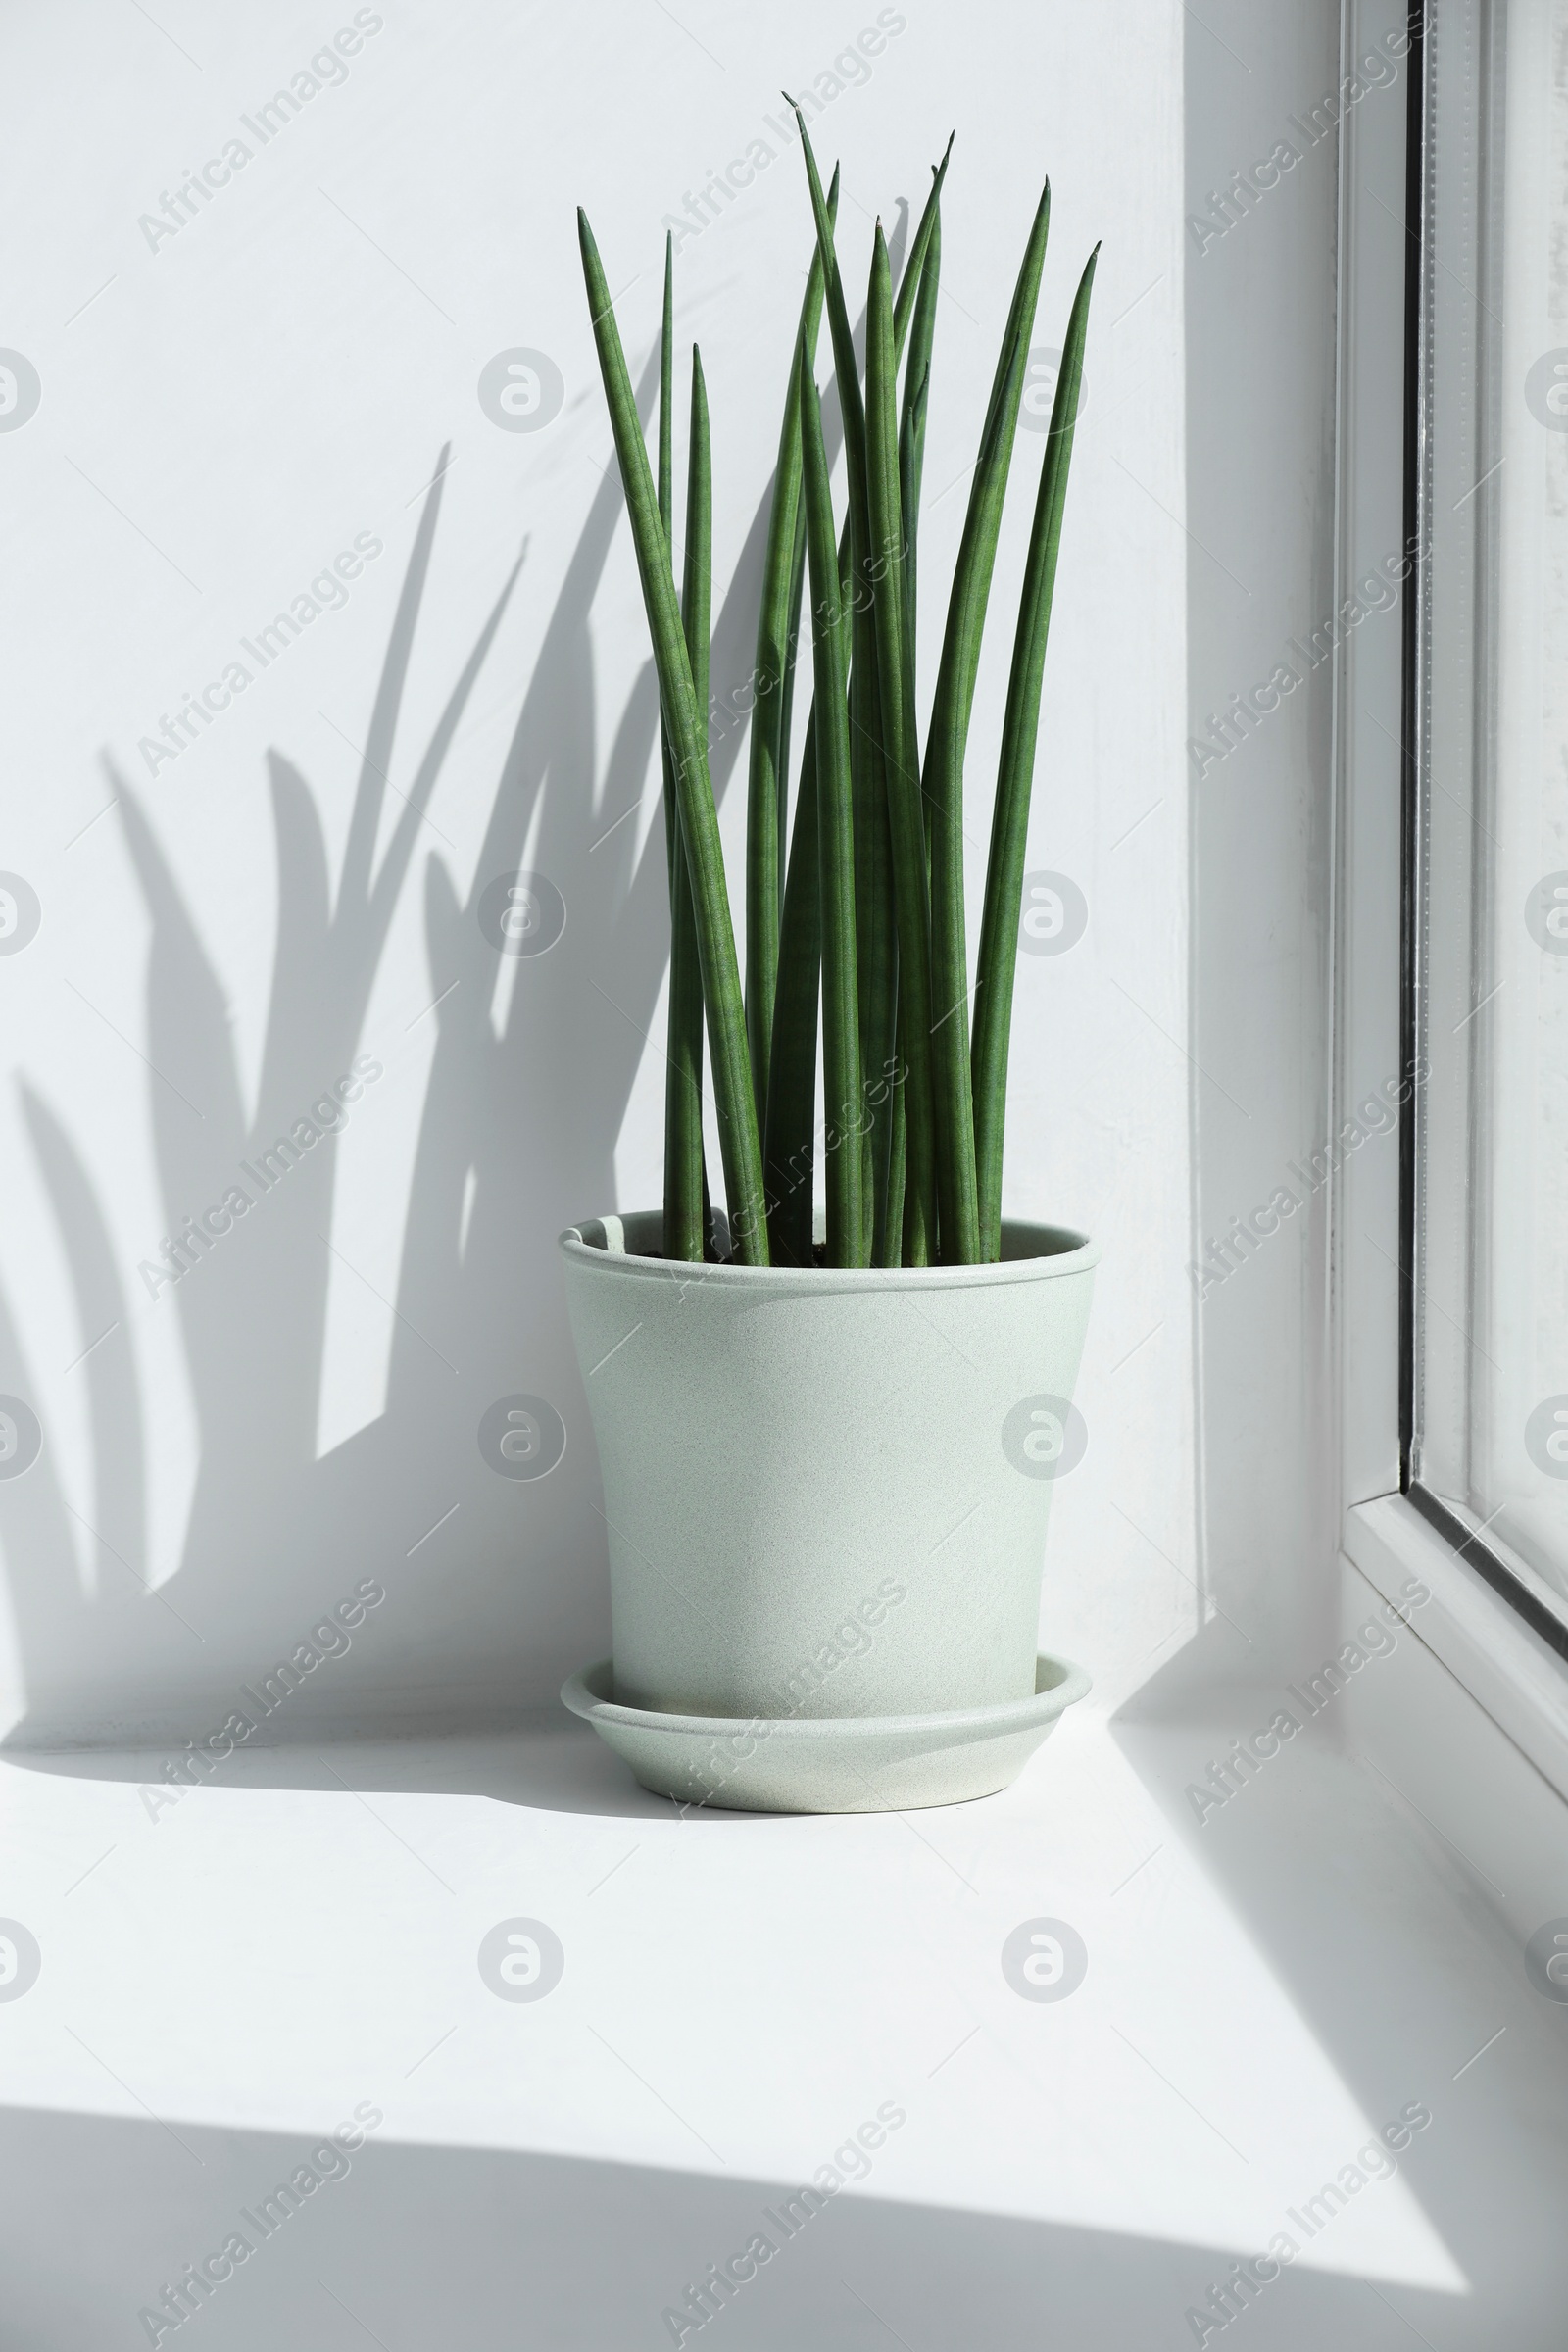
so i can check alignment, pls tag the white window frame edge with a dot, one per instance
(1514, 1675)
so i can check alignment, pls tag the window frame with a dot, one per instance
(1500, 1639)
(1486, 1560)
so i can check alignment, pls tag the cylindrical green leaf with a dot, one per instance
(666, 401)
(901, 759)
(1009, 820)
(873, 881)
(792, 1072)
(697, 580)
(885, 1069)
(910, 283)
(843, 1095)
(777, 618)
(733, 1099)
(944, 766)
(684, 1144)
(685, 1194)
(876, 920)
(911, 421)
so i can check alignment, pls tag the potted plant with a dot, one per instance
(828, 1440)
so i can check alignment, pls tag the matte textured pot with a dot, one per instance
(826, 1490)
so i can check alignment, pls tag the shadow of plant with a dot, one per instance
(496, 1589)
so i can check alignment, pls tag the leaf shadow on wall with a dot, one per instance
(496, 1587)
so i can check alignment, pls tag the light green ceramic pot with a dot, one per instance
(827, 1490)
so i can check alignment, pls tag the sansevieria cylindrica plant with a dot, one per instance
(861, 926)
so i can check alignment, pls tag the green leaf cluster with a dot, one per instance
(855, 912)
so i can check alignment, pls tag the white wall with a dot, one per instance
(223, 418)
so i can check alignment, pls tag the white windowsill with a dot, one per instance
(1520, 1682)
(224, 1981)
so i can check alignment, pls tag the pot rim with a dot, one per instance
(1071, 1252)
